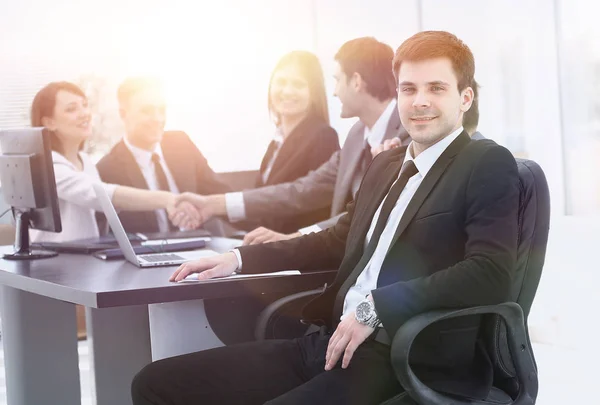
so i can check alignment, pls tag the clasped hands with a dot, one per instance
(190, 211)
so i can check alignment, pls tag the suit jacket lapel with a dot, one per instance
(134, 173)
(290, 146)
(428, 183)
(354, 262)
(129, 164)
(373, 198)
(182, 170)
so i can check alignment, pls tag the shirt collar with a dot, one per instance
(375, 135)
(426, 159)
(143, 157)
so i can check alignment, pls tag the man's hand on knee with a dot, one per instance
(345, 340)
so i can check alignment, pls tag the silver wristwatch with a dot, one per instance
(365, 314)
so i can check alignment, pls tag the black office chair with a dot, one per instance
(504, 327)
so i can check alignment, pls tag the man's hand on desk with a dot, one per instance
(264, 235)
(209, 267)
(184, 215)
(208, 206)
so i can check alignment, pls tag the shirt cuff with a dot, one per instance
(234, 203)
(310, 229)
(238, 256)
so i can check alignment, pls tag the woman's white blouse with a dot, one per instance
(77, 200)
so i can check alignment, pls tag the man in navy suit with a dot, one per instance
(434, 225)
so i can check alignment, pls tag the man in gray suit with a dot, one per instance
(366, 88)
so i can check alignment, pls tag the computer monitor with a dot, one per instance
(29, 187)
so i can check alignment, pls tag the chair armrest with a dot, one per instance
(276, 306)
(517, 340)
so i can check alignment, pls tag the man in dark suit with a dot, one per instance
(150, 158)
(366, 88)
(434, 225)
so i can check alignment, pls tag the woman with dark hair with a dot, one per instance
(303, 138)
(62, 108)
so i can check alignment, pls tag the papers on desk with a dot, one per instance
(194, 277)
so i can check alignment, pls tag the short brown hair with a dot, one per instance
(133, 85)
(371, 59)
(310, 69)
(438, 44)
(43, 107)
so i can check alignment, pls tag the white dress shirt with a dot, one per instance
(77, 200)
(144, 160)
(367, 280)
(373, 136)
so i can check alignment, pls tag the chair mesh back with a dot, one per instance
(534, 222)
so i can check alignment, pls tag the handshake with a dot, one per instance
(189, 211)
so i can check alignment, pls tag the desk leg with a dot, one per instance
(179, 328)
(40, 349)
(119, 341)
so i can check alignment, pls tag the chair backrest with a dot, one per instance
(534, 224)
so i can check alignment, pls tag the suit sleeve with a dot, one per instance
(326, 250)
(484, 276)
(306, 194)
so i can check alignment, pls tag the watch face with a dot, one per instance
(363, 311)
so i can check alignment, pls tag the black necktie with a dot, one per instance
(408, 170)
(161, 177)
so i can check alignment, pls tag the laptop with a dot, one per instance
(143, 260)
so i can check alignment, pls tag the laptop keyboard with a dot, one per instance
(162, 257)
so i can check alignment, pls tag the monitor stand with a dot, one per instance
(22, 249)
